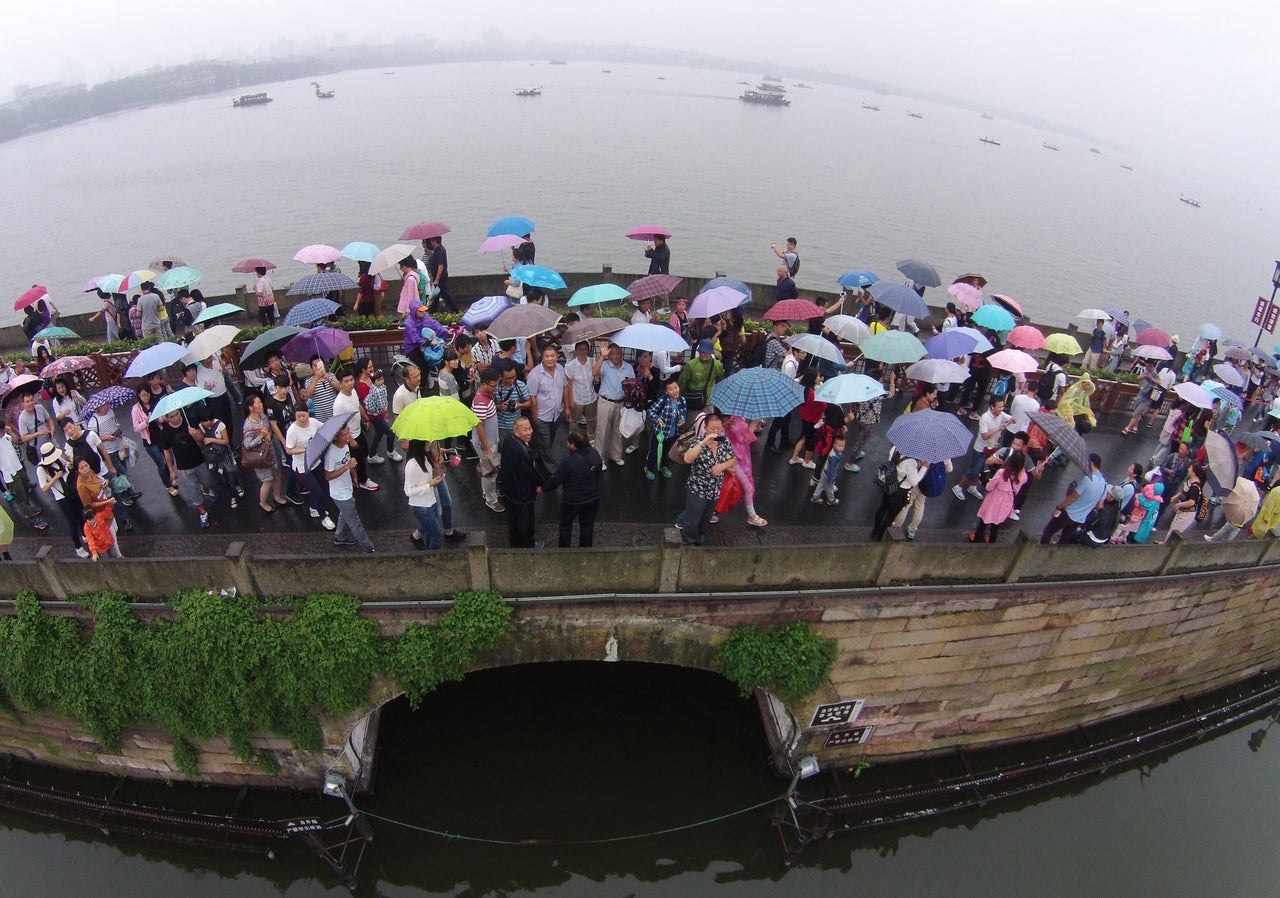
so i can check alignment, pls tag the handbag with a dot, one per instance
(683, 444)
(257, 458)
(730, 493)
(887, 479)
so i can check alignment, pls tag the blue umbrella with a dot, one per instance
(359, 251)
(598, 293)
(950, 344)
(857, 278)
(182, 276)
(901, 299)
(757, 393)
(1227, 343)
(116, 397)
(653, 337)
(324, 438)
(154, 358)
(322, 282)
(983, 343)
(173, 402)
(921, 272)
(930, 436)
(1117, 314)
(731, 283)
(892, 348)
(516, 225)
(848, 388)
(1210, 332)
(309, 311)
(538, 276)
(995, 317)
(1227, 396)
(55, 333)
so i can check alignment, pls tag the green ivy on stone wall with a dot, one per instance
(791, 661)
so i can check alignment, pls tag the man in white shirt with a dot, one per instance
(296, 439)
(347, 402)
(991, 427)
(407, 392)
(339, 470)
(551, 394)
(1021, 407)
(582, 391)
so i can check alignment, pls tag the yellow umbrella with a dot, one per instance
(434, 418)
(1062, 344)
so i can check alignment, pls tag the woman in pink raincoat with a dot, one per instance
(741, 435)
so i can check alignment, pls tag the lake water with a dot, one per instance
(598, 154)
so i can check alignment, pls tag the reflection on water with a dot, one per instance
(554, 754)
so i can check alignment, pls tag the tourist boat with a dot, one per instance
(765, 98)
(994, 143)
(322, 94)
(251, 100)
(771, 87)
(1189, 201)
(803, 86)
(869, 106)
(914, 115)
(606, 71)
(529, 92)
(747, 83)
(1049, 146)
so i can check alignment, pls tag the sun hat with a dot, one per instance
(49, 453)
(706, 346)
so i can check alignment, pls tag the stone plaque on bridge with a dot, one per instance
(837, 714)
(841, 738)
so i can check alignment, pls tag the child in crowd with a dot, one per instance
(830, 471)
(97, 532)
(375, 403)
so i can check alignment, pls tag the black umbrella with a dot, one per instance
(1064, 436)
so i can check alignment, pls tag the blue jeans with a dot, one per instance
(162, 467)
(428, 525)
(444, 502)
(696, 519)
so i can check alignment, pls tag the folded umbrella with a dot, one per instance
(892, 348)
(930, 436)
(757, 393)
(653, 337)
(311, 310)
(597, 293)
(425, 230)
(1229, 374)
(1014, 360)
(899, 298)
(499, 243)
(324, 438)
(816, 344)
(177, 278)
(250, 266)
(255, 354)
(848, 328)
(317, 253)
(846, 388)
(538, 276)
(793, 310)
(967, 295)
(591, 329)
(360, 251)
(993, 317)
(513, 226)
(520, 322)
(221, 310)
(1024, 336)
(326, 342)
(1062, 344)
(66, 364)
(652, 285)
(211, 341)
(715, 301)
(115, 397)
(434, 418)
(155, 358)
(950, 344)
(1009, 303)
(322, 282)
(938, 371)
(920, 272)
(858, 277)
(1064, 436)
(648, 232)
(172, 402)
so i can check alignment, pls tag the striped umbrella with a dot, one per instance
(320, 283)
(930, 436)
(757, 393)
(310, 310)
(793, 310)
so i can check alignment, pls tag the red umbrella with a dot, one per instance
(32, 296)
(249, 265)
(424, 230)
(652, 285)
(1153, 336)
(648, 232)
(1024, 336)
(1009, 303)
(794, 310)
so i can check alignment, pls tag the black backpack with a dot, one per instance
(794, 268)
(1044, 388)
(755, 358)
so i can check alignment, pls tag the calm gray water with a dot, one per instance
(600, 153)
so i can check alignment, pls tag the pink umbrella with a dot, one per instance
(317, 253)
(248, 266)
(499, 243)
(32, 296)
(1153, 336)
(967, 295)
(66, 365)
(1024, 336)
(424, 230)
(1152, 352)
(714, 301)
(131, 280)
(648, 232)
(1014, 360)
(1009, 303)
(792, 310)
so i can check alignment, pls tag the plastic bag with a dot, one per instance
(730, 493)
(630, 423)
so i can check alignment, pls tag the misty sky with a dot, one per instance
(1185, 83)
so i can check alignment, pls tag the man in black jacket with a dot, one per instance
(579, 473)
(518, 482)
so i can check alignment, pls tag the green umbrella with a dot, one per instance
(255, 354)
(598, 293)
(55, 333)
(221, 310)
(434, 418)
(893, 348)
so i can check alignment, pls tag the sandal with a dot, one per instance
(757, 521)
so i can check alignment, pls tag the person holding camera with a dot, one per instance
(709, 459)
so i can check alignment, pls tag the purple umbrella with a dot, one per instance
(326, 342)
(930, 436)
(324, 438)
(714, 301)
(66, 365)
(899, 298)
(116, 397)
(949, 345)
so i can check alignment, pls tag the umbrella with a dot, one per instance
(847, 328)
(110, 283)
(250, 266)
(857, 278)
(1230, 341)
(31, 297)
(1153, 336)
(920, 272)
(96, 283)
(1241, 504)
(1009, 303)
(133, 279)
(722, 281)
(930, 436)
(211, 341)
(1229, 374)
(652, 285)
(848, 388)
(815, 344)
(1195, 394)
(1237, 353)
(597, 293)
(715, 301)
(434, 418)
(648, 232)
(973, 280)
(172, 402)
(66, 365)
(221, 310)
(1094, 314)
(1262, 438)
(425, 230)
(995, 317)
(484, 310)
(1210, 332)
(537, 276)
(966, 294)
(1024, 336)
(326, 342)
(519, 322)
(55, 333)
(653, 337)
(1152, 352)
(513, 226)
(390, 257)
(793, 310)
(310, 310)
(1141, 325)
(949, 345)
(155, 358)
(1220, 392)
(757, 393)
(177, 278)
(899, 298)
(500, 242)
(1064, 436)
(591, 329)
(159, 262)
(984, 345)
(1117, 314)
(317, 253)
(938, 371)
(324, 438)
(1062, 344)
(116, 397)
(320, 283)
(21, 386)
(1014, 360)
(255, 354)
(1224, 461)
(360, 251)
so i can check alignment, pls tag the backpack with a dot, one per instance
(1001, 386)
(179, 313)
(794, 268)
(1045, 387)
(755, 358)
(888, 481)
(934, 482)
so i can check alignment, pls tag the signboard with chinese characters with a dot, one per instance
(837, 714)
(1266, 315)
(854, 736)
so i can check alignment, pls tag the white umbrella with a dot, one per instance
(1195, 394)
(938, 371)
(390, 257)
(847, 328)
(212, 340)
(1151, 352)
(1094, 315)
(814, 344)
(1229, 374)
(653, 337)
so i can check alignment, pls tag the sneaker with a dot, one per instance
(82, 552)
(314, 513)
(795, 460)
(666, 472)
(456, 534)
(395, 456)
(860, 456)
(204, 521)
(604, 465)
(909, 534)
(343, 542)
(833, 501)
(376, 460)
(126, 502)
(959, 493)
(370, 486)
(417, 541)
(235, 503)
(811, 465)
(813, 481)
(296, 500)
(852, 469)
(539, 544)
(240, 492)
(40, 524)
(715, 519)
(1015, 515)
(631, 449)
(649, 475)
(327, 523)
(679, 526)
(816, 500)
(8, 497)
(975, 492)
(619, 462)
(496, 506)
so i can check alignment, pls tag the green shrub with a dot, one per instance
(791, 661)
